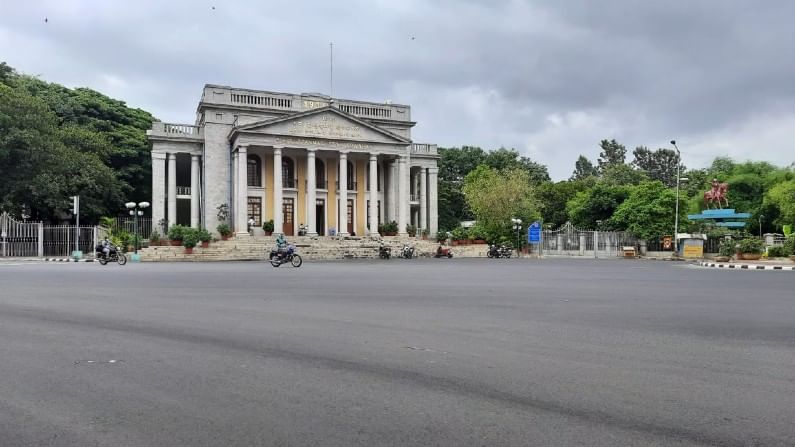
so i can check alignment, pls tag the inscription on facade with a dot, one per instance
(325, 144)
(327, 127)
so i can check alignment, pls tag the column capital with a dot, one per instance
(242, 148)
(159, 155)
(403, 158)
(343, 154)
(433, 170)
(373, 156)
(311, 150)
(277, 150)
(194, 157)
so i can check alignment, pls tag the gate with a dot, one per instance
(34, 239)
(569, 240)
(19, 238)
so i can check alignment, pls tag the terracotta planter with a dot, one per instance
(206, 244)
(226, 238)
(722, 259)
(455, 243)
(175, 243)
(154, 243)
(268, 233)
(480, 241)
(751, 256)
(391, 233)
(188, 251)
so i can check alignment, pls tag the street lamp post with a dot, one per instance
(676, 216)
(517, 226)
(761, 216)
(136, 209)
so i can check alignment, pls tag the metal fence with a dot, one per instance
(569, 240)
(34, 239)
(127, 224)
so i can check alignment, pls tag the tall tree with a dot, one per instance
(583, 168)
(504, 159)
(593, 208)
(497, 196)
(554, 196)
(658, 165)
(613, 153)
(648, 211)
(622, 174)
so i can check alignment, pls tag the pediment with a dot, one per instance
(327, 123)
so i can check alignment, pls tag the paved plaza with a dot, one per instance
(461, 352)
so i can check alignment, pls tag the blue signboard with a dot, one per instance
(534, 233)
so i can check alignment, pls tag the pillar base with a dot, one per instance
(311, 234)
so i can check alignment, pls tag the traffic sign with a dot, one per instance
(534, 233)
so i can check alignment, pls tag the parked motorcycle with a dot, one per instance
(114, 255)
(278, 257)
(443, 252)
(407, 252)
(501, 251)
(384, 251)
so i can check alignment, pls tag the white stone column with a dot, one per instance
(311, 194)
(374, 195)
(433, 200)
(403, 195)
(172, 189)
(158, 190)
(278, 219)
(391, 191)
(423, 214)
(241, 207)
(342, 221)
(194, 191)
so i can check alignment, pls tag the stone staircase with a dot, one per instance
(248, 248)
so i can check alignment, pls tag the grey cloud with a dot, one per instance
(476, 72)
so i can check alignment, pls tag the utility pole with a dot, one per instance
(76, 212)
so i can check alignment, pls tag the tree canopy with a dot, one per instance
(56, 142)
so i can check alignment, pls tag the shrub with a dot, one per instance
(789, 245)
(190, 238)
(224, 230)
(177, 232)
(155, 236)
(726, 248)
(267, 226)
(459, 233)
(751, 246)
(411, 230)
(777, 251)
(204, 235)
(389, 227)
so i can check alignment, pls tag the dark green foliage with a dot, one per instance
(751, 246)
(613, 153)
(224, 230)
(56, 142)
(727, 248)
(658, 165)
(177, 232)
(583, 168)
(553, 197)
(267, 226)
(590, 207)
(778, 251)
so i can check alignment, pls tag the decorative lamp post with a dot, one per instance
(136, 209)
(517, 226)
(761, 216)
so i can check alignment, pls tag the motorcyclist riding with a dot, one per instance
(281, 245)
(106, 247)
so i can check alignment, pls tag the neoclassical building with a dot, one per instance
(337, 166)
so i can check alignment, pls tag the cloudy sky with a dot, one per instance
(549, 78)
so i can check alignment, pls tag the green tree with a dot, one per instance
(497, 196)
(658, 165)
(590, 207)
(782, 196)
(553, 197)
(612, 153)
(648, 212)
(504, 159)
(622, 174)
(583, 168)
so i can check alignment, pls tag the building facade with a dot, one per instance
(339, 167)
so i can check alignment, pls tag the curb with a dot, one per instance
(66, 260)
(747, 266)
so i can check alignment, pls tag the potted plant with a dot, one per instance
(425, 233)
(154, 239)
(267, 227)
(411, 230)
(388, 229)
(725, 251)
(189, 240)
(205, 237)
(175, 234)
(751, 249)
(224, 230)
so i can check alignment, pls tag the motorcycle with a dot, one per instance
(407, 252)
(501, 251)
(443, 252)
(278, 257)
(384, 251)
(114, 255)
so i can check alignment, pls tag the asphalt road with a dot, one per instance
(462, 352)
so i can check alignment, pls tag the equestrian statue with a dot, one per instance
(718, 194)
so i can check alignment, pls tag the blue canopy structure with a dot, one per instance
(722, 218)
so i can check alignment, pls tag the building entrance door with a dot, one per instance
(350, 216)
(288, 211)
(320, 217)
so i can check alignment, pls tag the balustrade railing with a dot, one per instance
(417, 148)
(176, 130)
(183, 190)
